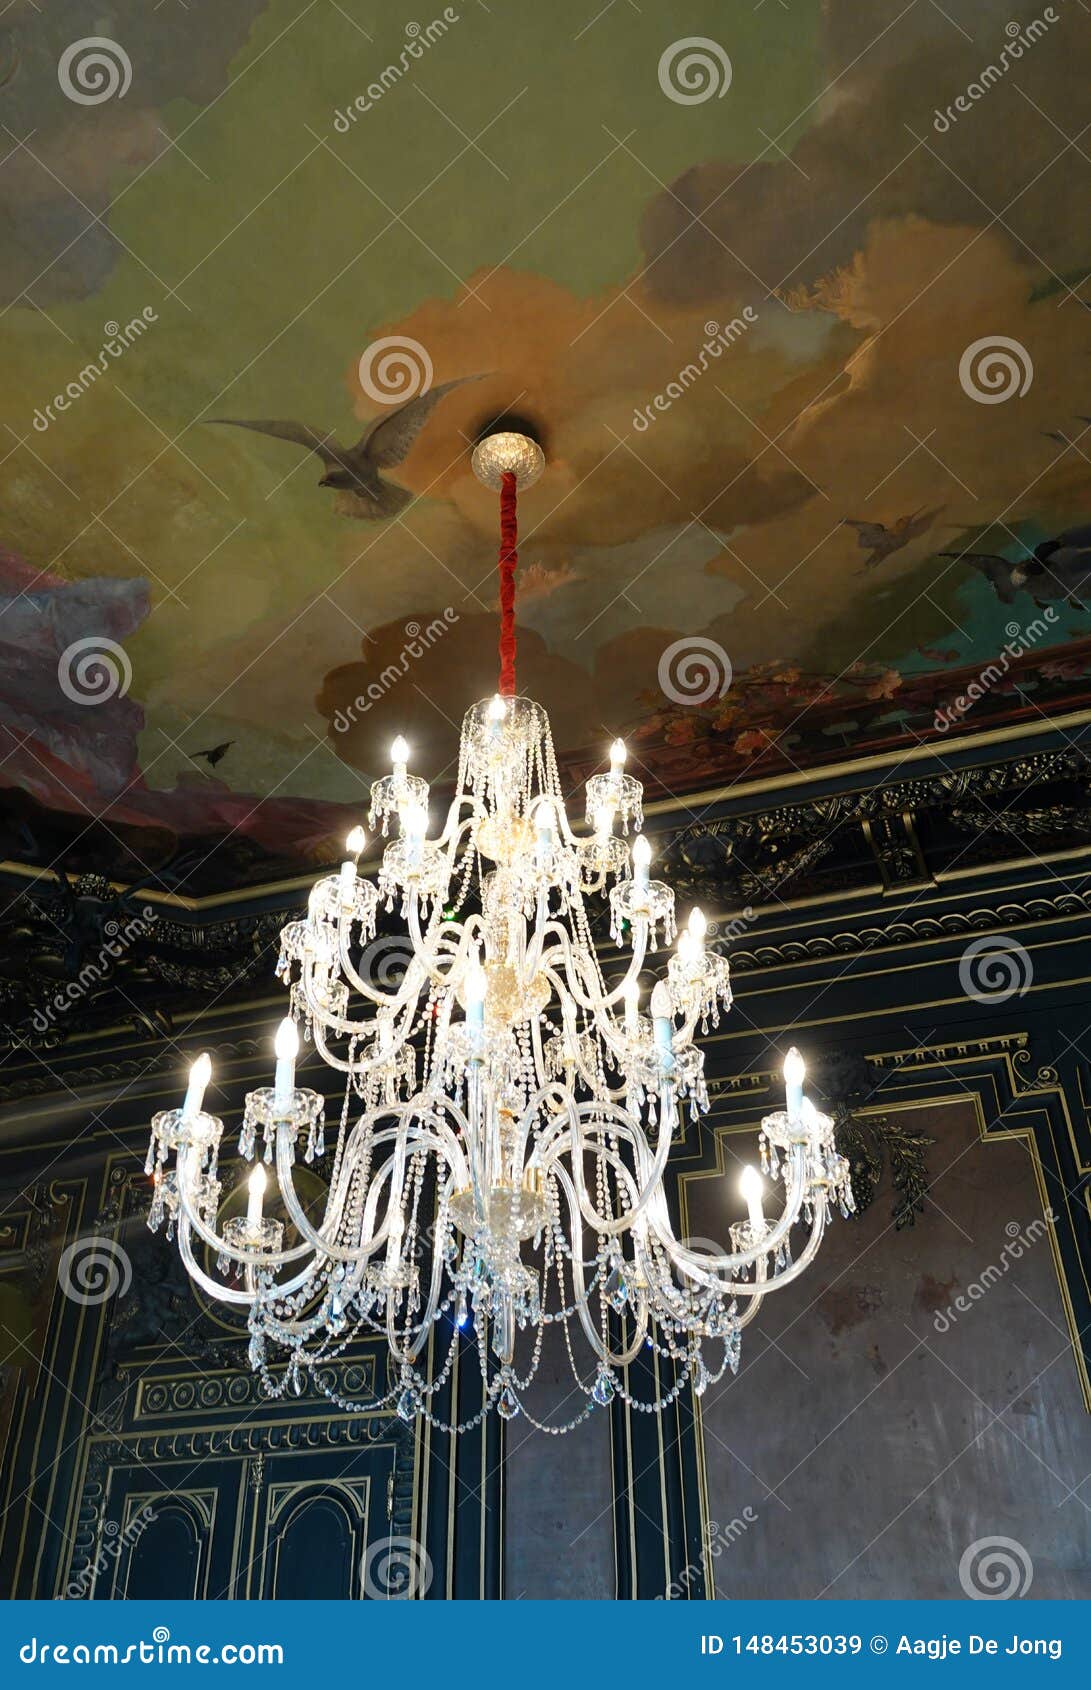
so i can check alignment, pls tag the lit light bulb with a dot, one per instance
(473, 991)
(356, 841)
(495, 714)
(688, 949)
(794, 1071)
(286, 1048)
(255, 1187)
(751, 1185)
(618, 754)
(663, 1019)
(642, 856)
(415, 822)
(632, 1003)
(544, 821)
(698, 927)
(199, 1075)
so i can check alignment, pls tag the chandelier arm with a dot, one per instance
(541, 1067)
(572, 980)
(187, 1225)
(683, 1035)
(541, 923)
(606, 1027)
(341, 1065)
(423, 1327)
(221, 1293)
(554, 1141)
(314, 1237)
(746, 1288)
(550, 1088)
(341, 1027)
(668, 1120)
(785, 1276)
(382, 1000)
(272, 1258)
(456, 824)
(430, 1313)
(579, 1290)
(612, 1093)
(386, 1171)
(689, 1262)
(550, 1160)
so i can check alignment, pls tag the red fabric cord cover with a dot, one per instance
(508, 559)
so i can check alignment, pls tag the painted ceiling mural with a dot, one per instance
(797, 300)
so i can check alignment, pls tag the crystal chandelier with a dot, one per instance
(498, 1163)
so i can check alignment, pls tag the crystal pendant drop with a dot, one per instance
(407, 1404)
(603, 1389)
(508, 1404)
(617, 1288)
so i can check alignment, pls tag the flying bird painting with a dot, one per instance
(214, 754)
(1058, 570)
(882, 542)
(354, 470)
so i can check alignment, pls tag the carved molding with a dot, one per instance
(762, 856)
(183, 1394)
(39, 1082)
(898, 931)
